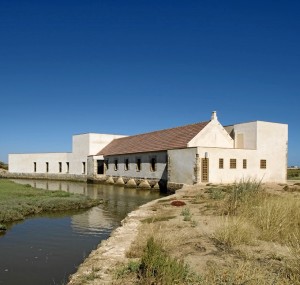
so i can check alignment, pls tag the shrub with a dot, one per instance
(157, 267)
(242, 192)
(187, 216)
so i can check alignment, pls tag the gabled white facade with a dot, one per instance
(256, 150)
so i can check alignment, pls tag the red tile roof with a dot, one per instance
(155, 141)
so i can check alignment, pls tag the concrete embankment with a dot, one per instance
(99, 267)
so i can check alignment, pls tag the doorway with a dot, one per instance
(100, 166)
(204, 169)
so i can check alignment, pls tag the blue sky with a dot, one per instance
(127, 67)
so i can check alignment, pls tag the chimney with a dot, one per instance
(214, 116)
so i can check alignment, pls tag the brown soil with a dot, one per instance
(188, 237)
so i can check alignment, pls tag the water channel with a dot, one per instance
(47, 249)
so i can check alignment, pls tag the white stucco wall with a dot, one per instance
(213, 135)
(24, 163)
(145, 172)
(261, 141)
(249, 133)
(83, 145)
(181, 165)
(272, 142)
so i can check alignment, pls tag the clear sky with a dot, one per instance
(128, 67)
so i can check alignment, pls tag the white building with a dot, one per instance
(73, 163)
(197, 153)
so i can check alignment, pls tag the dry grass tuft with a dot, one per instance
(235, 231)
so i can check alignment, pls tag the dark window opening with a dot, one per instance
(232, 163)
(138, 164)
(221, 163)
(34, 166)
(83, 168)
(263, 164)
(68, 167)
(244, 163)
(153, 164)
(126, 164)
(60, 167)
(47, 166)
(116, 164)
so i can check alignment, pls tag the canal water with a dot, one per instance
(47, 249)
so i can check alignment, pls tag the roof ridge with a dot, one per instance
(173, 128)
(171, 138)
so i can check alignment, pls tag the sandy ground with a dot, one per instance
(190, 240)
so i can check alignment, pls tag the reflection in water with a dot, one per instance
(47, 249)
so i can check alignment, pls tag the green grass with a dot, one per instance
(18, 201)
(158, 267)
(3, 165)
(293, 174)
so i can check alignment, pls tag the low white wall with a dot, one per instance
(83, 146)
(145, 172)
(24, 163)
(273, 173)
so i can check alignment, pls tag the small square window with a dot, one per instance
(244, 163)
(232, 163)
(221, 163)
(263, 164)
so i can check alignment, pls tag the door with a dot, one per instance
(204, 169)
(100, 167)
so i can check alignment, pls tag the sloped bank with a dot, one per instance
(100, 265)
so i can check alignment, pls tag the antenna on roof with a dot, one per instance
(214, 115)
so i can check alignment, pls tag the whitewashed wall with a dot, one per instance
(83, 145)
(145, 172)
(181, 165)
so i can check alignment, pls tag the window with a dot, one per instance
(68, 166)
(232, 163)
(59, 167)
(83, 167)
(138, 164)
(47, 166)
(221, 163)
(34, 167)
(263, 164)
(153, 164)
(244, 163)
(116, 164)
(126, 164)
